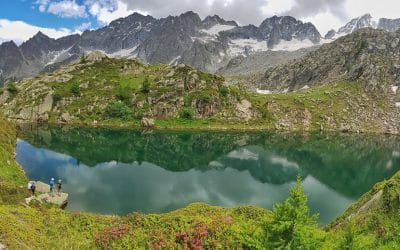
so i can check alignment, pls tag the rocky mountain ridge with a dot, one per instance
(369, 56)
(206, 44)
(365, 21)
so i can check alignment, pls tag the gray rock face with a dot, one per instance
(368, 55)
(286, 28)
(205, 44)
(391, 25)
(365, 21)
(355, 24)
(331, 34)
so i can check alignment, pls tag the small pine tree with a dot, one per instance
(291, 225)
(83, 59)
(145, 89)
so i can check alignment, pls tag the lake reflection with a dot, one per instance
(121, 171)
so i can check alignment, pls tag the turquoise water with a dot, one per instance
(115, 171)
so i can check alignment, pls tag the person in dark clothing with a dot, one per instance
(59, 187)
(33, 188)
(51, 184)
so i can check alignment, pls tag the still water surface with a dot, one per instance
(115, 171)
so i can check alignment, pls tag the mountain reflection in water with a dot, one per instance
(121, 171)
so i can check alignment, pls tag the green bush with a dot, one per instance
(83, 59)
(56, 97)
(117, 109)
(224, 91)
(124, 94)
(187, 100)
(75, 89)
(291, 225)
(1, 91)
(139, 114)
(186, 113)
(145, 89)
(12, 88)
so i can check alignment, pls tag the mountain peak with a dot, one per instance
(210, 21)
(364, 21)
(40, 34)
(9, 44)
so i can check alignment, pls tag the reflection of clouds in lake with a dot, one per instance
(243, 154)
(114, 187)
(283, 162)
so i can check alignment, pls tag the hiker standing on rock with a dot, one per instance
(52, 183)
(59, 187)
(33, 188)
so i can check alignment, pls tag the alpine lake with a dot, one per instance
(119, 171)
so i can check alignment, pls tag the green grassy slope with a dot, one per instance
(119, 92)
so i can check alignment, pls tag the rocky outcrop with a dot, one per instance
(286, 28)
(147, 123)
(367, 55)
(2, 247)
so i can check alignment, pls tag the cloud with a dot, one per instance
(309, 8)
(84, 26)
(42, 4)
(108, 10)
(19, 31)
(238, 10)
(67, 8)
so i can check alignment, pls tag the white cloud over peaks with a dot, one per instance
(108, 10)
(84, 26)
(66, 8)
(19, 31)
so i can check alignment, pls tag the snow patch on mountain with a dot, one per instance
(216, 29)
(58, 56)
(246, 46)
(293, 45)
(123, 53)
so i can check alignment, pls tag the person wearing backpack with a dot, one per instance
(52, 183)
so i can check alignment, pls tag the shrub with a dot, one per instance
(124, 94)
(56, 97)
(224, 91)
(12, 88)
(117, 110)
(1, 91)
(145, 89)
(291, 225)
(186, 113)
(83, 59)
(195, 240)
(187, 100)
(75, 89)
(139, 114)
(104, 239)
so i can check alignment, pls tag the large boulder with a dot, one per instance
(147, 123)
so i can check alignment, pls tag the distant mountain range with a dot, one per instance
(208, 44)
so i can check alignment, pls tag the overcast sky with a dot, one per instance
(21, 19)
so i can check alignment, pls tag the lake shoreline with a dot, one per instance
(182, 125)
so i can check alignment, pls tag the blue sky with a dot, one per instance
(21, 19)
(28, 11)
